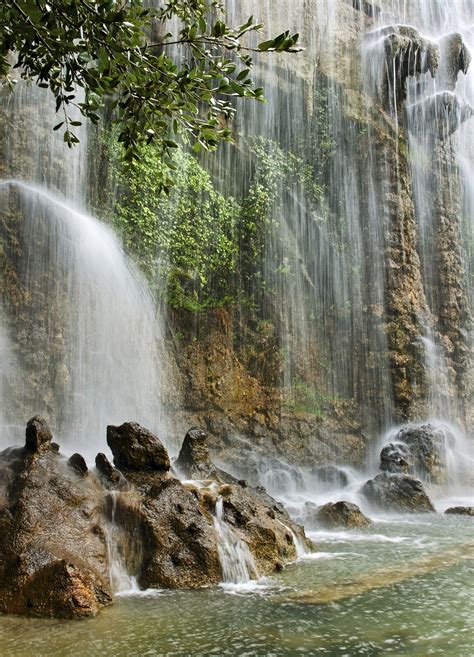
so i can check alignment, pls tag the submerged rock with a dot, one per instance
(398, 493)
(137, 448)
(341, 514)
(461, 511)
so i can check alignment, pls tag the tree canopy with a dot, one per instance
(162, 71)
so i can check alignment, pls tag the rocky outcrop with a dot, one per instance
(110, 476)
(394, 458)
(78, 463)
(257, 518)
(441, 115)
(341, 514)
(401, 52)
(64, 527)
(139, 455)
(425, 449)
(52, 547)
(455, 58)
(136, 448)
(174, 540)
(38, 435)
(193, 459)
(397, 493)
(460, 511)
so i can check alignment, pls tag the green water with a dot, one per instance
(429, 614)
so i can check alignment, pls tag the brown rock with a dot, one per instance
(137, 448)
(177, 539)
(77, 463)
(461, 511)
(54, 561)
(342, 514)
(194, 460)
(38, 435)
(110, 476)
(399, 493)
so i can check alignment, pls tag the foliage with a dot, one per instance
(124, 54)
(185, 239)
(278, 175)
(209, 247)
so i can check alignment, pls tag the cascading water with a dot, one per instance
(80, 329)
(121, 582)
(368, 280)
(86, 313)
(237, 563)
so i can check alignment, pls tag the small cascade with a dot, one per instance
(237, 562)
(302, 550)
(437, 375)
(120, 579)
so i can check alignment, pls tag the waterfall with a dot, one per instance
(237, 563)
(354, 263)
(302, 550)
(88, 339)
(80, 330)
(120, 580)
(365, 149)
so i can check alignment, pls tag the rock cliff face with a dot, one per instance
(234, 390)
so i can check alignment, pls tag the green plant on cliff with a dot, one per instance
(185, 239)
(162, 71)
(278, 176)
(208, 248)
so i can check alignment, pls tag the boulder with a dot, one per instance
(38, 435)
(394, 458)
(397, 493)
(77, 463)
(461, 511)
(54, 554)
(137, 449)
(341, 514)
(193, 459)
